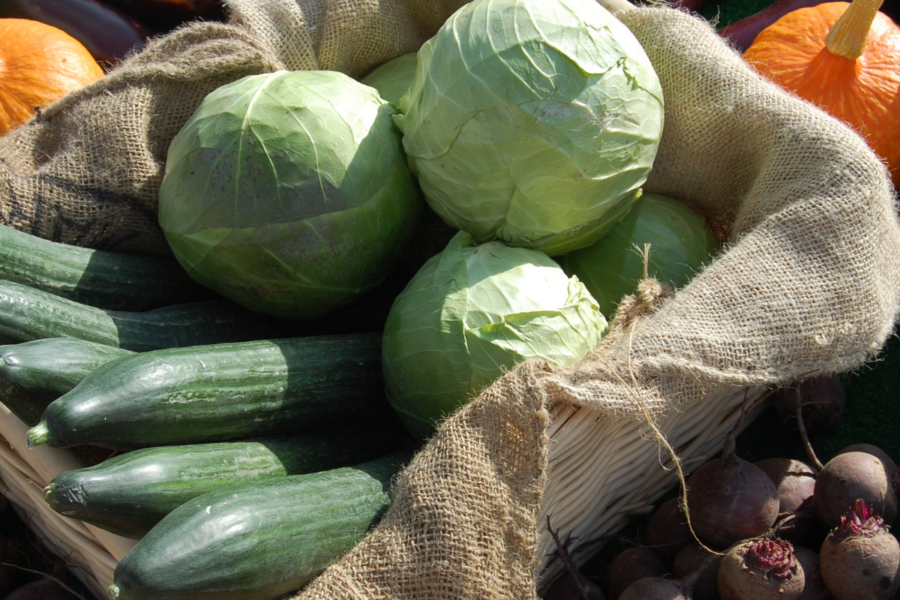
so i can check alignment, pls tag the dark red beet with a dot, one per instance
(822, 400)
(667, 531)
(655, 588)
(632, 564)
(814, 586)
(693, 557)
(889, 463)
(851, 476)
(860, 560)
(731, 499)
(795, 481)
(760, 569)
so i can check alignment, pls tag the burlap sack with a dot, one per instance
(810, 283)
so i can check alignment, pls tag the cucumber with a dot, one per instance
(28, 314)
(34, 374)
(129, 493)
(54, 364)
(257, 541)
(220, 392)
(26, 406)
(94, 277)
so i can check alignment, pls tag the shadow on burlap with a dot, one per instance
(809, 281)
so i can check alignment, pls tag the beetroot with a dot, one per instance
(795, 481)
(730, 499)
(821, 399)
(851, 476)
(632, 564)
(760, 569)
(692, 558)
(889, 463)
(795, 484)
(667, 531)
(860, 560)
(656, 588)
(814, 586)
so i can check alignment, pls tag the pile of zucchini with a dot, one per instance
(245, 456)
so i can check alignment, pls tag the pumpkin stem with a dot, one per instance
(847, 36)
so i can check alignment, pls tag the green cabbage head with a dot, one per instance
(289, 193)
(533, 122)
(470, 313)
(392, 78)
(681, 243)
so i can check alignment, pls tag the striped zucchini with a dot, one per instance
(128, 494)
(220, 392)
(28, 314)
(256, 541)
(110, 280)
(34, 374)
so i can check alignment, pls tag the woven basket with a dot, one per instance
(91, 553)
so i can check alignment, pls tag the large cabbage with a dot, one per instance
(681, 242)
(534, 122)
(289, 192)
(473, 311)
(392, 78)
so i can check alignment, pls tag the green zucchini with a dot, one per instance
(257, 541)
(110, 280)
(28, 314)
(129, 493)
(220, 392)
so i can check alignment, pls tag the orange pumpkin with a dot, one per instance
(845, 58)
(38, 65)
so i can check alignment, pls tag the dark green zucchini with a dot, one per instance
(28, 314)
(111, 280)
(258, 541)
(220, 392)
(128, 494)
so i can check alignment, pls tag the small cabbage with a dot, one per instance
(533, 122)
(289, 193)
(681, 242)
(392, 78)
(473, 311)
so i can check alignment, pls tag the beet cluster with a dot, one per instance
(778, 529)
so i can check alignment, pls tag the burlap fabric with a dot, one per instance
(809, 282)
